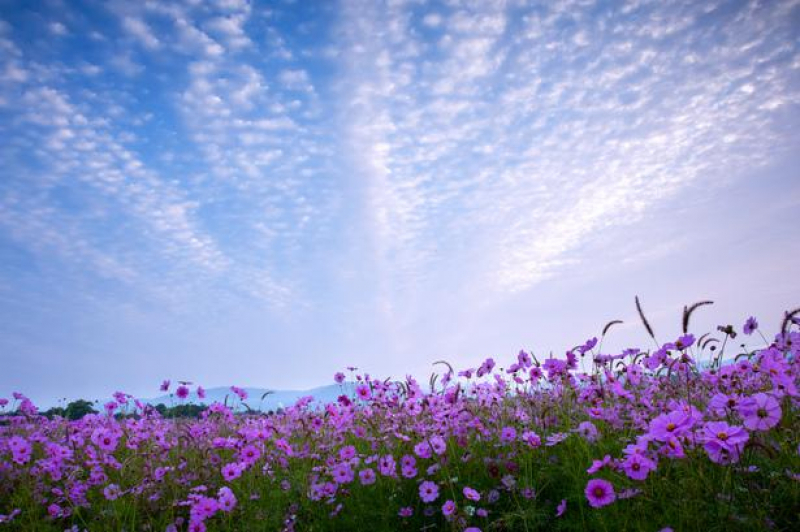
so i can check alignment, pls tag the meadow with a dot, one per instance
(698, 433)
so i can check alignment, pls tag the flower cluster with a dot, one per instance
(533, 441)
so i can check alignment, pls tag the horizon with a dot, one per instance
(262, 194)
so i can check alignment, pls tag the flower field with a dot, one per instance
(693, 434)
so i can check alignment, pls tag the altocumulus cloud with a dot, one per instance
(358, 158)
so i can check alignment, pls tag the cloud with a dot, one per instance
(523, 144)
(57, 28)
(295, 80)
(137, 28)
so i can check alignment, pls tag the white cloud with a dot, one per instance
(139, 29)
(525, 144)
(57, 28)
(296, 79)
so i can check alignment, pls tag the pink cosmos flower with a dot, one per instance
(423, 449)
(471, 494)
(21, 449)
(428, 491)
(750, 326)
(343, 474)
(111, 492)
(367, 477)
(408, 471)
(105, 439)
(347, 452)
(597, 465)
(508, 434)
(164, 385)
(201, 392)
(363, 392)
(760, 412)
(599, 493)
(182, 392)
(588, 431)
(722, 404)
(204, 508)
(406, 511)
(226, 499)
(556, 438)
(110, 407)
(232, 471)
(531, 438)
(670, 425)
(439, 445)
(724, 443)
(387, 466)
(638, 466)
(562, 507)
(448, 508)
(339, 377)
(673, 449)
(249, 454)
(240, 392)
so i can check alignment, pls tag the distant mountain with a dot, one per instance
(272, 401)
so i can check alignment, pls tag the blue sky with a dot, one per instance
(264, 193)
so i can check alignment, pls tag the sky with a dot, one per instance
(263, 193)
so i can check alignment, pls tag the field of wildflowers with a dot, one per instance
(684, 436)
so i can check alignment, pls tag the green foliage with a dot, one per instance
(77, 409)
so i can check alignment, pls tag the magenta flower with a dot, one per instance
(226, 499)
(448, 508)
(439, 445)
(363, 392)
(387, 466)
(408, 471)
(367, 477)
(232, 471)
(599, 493)
(204, 508)
(508, 434)
(249, 454)
(637, 466)
(196, 525)
(182, 392)
(750, 326)
(240, 392)
(406, 511)
(531, 438)
(201, 392)
(423, 449)
(667, 426)
(339, 377)
(588, 430)
(111, 492)
(597, 465)
(562, 507)
(164, 385)
(724, 443)
(105, 439)
(471, 494)
(21, 449)
(760, 412)
(428, 491)
(343, 474)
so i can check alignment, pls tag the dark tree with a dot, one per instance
(78, 409)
